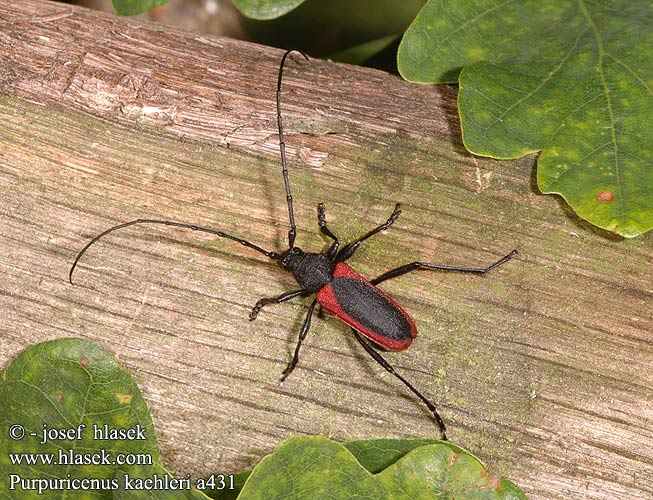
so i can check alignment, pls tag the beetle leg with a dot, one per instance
(321, 220)
(379, 359)
(350, 248)
(302, 335)
(273, 300)
(414, 266)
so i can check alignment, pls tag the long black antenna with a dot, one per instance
(282, 147)
(272, 255)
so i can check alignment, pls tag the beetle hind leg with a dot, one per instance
(379, 359)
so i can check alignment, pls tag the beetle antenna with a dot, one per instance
(272, 255)
(282, 147)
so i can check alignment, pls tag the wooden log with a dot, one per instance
(542, 368)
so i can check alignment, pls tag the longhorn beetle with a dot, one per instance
(376, 320)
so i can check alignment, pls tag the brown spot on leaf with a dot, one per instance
(493, 482)
(454, 459)
(124, 398)
(59, 397)
(84, 362)
(605, 196)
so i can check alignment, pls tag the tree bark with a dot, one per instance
(542, 368)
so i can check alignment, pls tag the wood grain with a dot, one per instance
(542, 368)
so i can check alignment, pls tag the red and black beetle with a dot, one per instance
(375, 319)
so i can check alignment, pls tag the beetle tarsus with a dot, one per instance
(254, 312)
(289, 368)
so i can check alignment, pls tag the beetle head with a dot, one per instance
(291, 258)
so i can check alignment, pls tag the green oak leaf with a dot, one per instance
(63, 385)
(378, 454)
(315, 468)
(134, 7)
(266, 9)
(570, 78)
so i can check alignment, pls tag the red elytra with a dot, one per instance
(367, 309)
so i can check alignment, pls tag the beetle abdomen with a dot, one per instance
(367, 309)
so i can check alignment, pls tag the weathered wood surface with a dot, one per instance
(542, 368)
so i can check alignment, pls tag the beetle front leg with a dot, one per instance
(321, 220)
(273, 300)
(350, 248)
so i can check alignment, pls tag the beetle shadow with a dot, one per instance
(447, 96)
